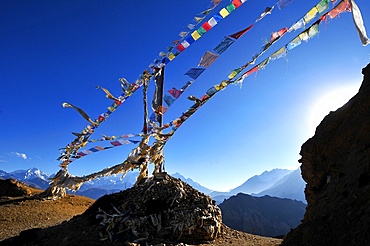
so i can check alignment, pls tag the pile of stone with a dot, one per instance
(161, 209)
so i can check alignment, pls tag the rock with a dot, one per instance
(336, 167)
(158, 210)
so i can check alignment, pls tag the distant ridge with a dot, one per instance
(265, 216)
(280, 183)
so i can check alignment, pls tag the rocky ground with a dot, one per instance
(22, 212)
(57, 224)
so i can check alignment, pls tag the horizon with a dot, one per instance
(135, 172)
(60, 51)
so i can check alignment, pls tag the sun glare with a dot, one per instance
(330, 101)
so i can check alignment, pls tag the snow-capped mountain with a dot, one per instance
(29, 174)
(290, 186)
(33, 177)
(114, 182)
(255, 184)
(276, 183)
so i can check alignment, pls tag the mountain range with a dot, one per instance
(280, 183)
(271, 211)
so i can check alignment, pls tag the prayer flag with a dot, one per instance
(195, 35)
(108, 94)
(82, 113)
(217, 17)
(310, 15)
(216, 2)
(171, 56)
(267, 11)
(206, 26)
(359, 23)
(185, 44)
(304, 36)
(299, 24)
(278, 54)
(294, 43)
(180, 47)
(175, 92)
(201, 31)
(276, 35)
(116, 143)
(161, 110)
(340, 8)
(221, 85)
(206, 12)
(183, 34)
(230, 8)
(253, 70)
(189, 39)
(211, 91)
(207, 59)
(236, 3)
(263, 64)
(223, 12)
(169, 100)
(158, 93)
(225, 43)
(86, 152)
(234, 73)
(191, 26)
(314, 29)
(198, 19)
(322, 6)
(195, 72)
(241, 33)
(212, 22)
(124, 141)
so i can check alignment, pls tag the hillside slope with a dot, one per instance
(19, 211)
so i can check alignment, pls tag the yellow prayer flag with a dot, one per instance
(171, 56)
(310, 15)
(223, 12)
(195, 35)
(304, 36)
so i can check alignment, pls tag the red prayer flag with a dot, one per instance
(206, 26)
(180, 47)
(236, 3)
(241, 33)
(254, 69)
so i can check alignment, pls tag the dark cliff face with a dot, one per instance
(336, 167)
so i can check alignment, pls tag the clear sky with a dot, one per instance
(58, 51)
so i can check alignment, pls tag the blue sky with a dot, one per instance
(58, 51)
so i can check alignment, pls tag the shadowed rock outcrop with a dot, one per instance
(336, 167)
